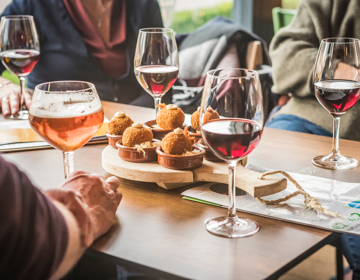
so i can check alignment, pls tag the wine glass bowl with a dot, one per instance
(19, 51)
(337, 88)
(66, 114)
(156, 63)
(237, 97)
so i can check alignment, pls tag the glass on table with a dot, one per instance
(337, 88)
(19, 52)
(66, 114)
(235, 94)
(156, 62)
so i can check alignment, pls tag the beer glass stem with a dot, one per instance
(22, 97)
(157, 103)
(68, 163)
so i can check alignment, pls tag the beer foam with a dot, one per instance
(63, 109)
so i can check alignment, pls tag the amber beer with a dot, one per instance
(67, 133)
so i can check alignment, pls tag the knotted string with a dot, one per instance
(310, 202)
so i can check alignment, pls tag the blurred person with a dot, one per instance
(43, 235)
(85, 40)
(293, 52)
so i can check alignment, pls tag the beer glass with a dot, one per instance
(236, 95)
(19, 52)
(156, 62)
(66, 114)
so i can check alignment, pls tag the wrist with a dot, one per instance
(5, 83)
(73, 203)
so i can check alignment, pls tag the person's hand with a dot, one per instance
(10, 98)
(92, 200)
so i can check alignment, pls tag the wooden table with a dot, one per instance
(165, 234)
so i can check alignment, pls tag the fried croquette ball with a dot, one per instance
(210, 114)
(177, 142)
(119, 123)
(195, 120)
(136, 134)
(170, 117)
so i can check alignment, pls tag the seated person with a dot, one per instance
(85, 40)
(293, 52)
(42, 236)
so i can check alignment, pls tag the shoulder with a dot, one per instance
(142, 5)
(31, 7)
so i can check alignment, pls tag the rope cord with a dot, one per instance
(310, 202)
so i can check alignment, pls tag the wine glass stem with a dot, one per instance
(232, 196)
(22, 89)
(157, 103)
(335, 145)
(68, 158)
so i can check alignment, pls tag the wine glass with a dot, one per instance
(19, 52)
(337, 89)
(156, 62)
(237, 97)
(66, 114)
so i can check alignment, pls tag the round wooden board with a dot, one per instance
(153, 172)
(145, 172)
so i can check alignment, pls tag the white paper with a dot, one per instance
(335, 196)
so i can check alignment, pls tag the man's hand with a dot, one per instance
(10, 99)
(92, 200)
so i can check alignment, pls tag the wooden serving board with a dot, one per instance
(153, 172)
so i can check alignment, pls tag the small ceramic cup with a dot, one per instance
(113, 139)
(209, 155)
(197, 135)
(158, 133)
(179, 162)
(133, 155)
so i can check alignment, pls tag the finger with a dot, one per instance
(113, 182)
(28, 99)
(14, 103)
(118, 195)
(78, 172)
(5, 106)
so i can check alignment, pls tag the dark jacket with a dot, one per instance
(64, 56)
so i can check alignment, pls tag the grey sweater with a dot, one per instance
(293, 52)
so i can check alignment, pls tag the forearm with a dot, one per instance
(74, 249)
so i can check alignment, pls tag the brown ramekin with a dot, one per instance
(159, 133)
(113, 139)
(180, 162)
(192, 132)
(209, 155)
(131, 154)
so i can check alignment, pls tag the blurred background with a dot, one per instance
(185, 16)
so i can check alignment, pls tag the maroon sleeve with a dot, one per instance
(33, 232)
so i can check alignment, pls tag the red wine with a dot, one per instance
(157, 79)
(337, 96)
(20, 62)
(232, 139)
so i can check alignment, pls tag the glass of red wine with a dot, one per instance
(19, 52)
(235, 94)
(156, 62)
(337, 88)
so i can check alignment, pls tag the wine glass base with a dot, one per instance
(21, 115)
(335, 163)
(232, 228)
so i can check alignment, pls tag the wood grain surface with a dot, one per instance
(158, 229)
